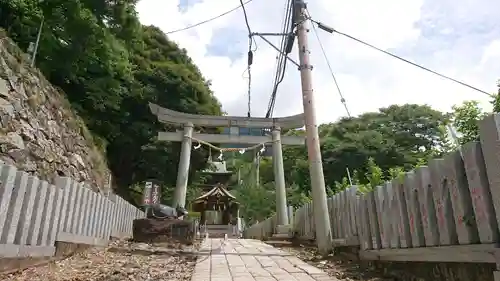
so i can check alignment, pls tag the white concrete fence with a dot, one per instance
(34, 214)
(448, 211)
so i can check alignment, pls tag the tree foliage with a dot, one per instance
(110, 67)
(396, 136)
(465, 121)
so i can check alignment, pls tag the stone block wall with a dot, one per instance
(39, 133)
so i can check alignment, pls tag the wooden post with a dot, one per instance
(442, 202)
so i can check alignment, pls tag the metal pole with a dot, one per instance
(183, 171)
(320, 210)
(279, 179)
(349, 175)
(239, 176)
(279, 51)
(257, 169)
(37, 42)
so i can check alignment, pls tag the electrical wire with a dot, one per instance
(246, 16)
(281, 62)
(404, 60)
(283, 21)
(342, 99)
(208, 20)
(285, 48)
(251, 40)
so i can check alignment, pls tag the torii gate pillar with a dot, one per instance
(279, 178)
(183, 169)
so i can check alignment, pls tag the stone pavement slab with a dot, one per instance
(251, 260)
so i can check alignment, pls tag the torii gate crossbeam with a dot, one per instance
(188, 121)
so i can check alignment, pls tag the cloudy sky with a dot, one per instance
(457, 38)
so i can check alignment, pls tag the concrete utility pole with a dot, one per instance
(321, 216)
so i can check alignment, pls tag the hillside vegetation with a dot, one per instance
(110, 67)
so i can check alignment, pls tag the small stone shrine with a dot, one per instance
(218, 208)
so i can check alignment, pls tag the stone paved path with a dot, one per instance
(251, 260)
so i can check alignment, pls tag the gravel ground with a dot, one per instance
(338, 266)
(121, 261)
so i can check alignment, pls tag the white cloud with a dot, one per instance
(368, 79)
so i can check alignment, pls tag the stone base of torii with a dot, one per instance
(186, 137)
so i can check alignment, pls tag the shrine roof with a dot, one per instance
(218, 190)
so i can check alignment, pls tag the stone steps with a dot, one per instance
(282, 237)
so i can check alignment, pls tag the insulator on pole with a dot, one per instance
(250, 58)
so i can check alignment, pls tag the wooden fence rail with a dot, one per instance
(34, 214)
(447, 211)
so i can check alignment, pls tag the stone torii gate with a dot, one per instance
(234, 123)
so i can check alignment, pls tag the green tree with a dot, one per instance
(374, 174)
(397, 136)
(465, 119)
(496, 99)
(110, 67)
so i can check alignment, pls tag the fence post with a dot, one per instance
(77, 209)
(26, 211)
(353, 206)
(382, 210)
(490, 144)
(70, 206)
(336, 219)
(427, 208)
(82, 223)
(442, 201)
(55, 214)
(14, 209)
(93, 215)
(373, 221)
(461, 201)
(365, 236)
(412, 182)
(63, 184)
(40, 214)
(47, 218)
(479, 189)
(7, 180)
(99, 215)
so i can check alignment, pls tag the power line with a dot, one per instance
(249, 59)
(342, 99)
(208, 20)
(286, 45)
(330, 30)
(285, 48)
(246, 17)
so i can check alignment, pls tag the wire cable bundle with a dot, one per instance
(333, 30)
(342, 99)
(251, 41)
(207, 20)
(286, 46)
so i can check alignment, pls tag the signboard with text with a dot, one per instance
(152, 193)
